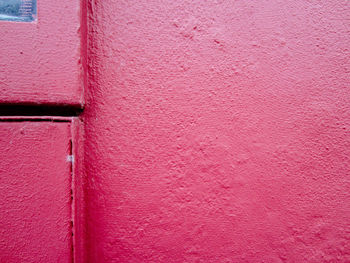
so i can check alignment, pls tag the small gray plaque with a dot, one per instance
(18, 10)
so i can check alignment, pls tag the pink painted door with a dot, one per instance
(35, 191)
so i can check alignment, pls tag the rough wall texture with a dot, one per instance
(40, 62)
(35, 192)
(218, 131)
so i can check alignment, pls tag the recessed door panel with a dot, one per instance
(35, 191)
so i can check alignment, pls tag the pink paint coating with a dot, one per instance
(42, 62)
(218, 131)
(35, 191)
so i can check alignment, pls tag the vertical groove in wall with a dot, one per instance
(78, 187)
(72, 206)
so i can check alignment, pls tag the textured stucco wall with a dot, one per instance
(218, 131)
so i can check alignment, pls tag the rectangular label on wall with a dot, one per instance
(18, 10)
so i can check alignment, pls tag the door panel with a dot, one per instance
(35, 191)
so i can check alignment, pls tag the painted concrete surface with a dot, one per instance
(41, 62)
(35, 192)
(218, 131)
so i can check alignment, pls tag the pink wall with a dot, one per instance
(218, 131)
(42, 62)
(215, 131)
